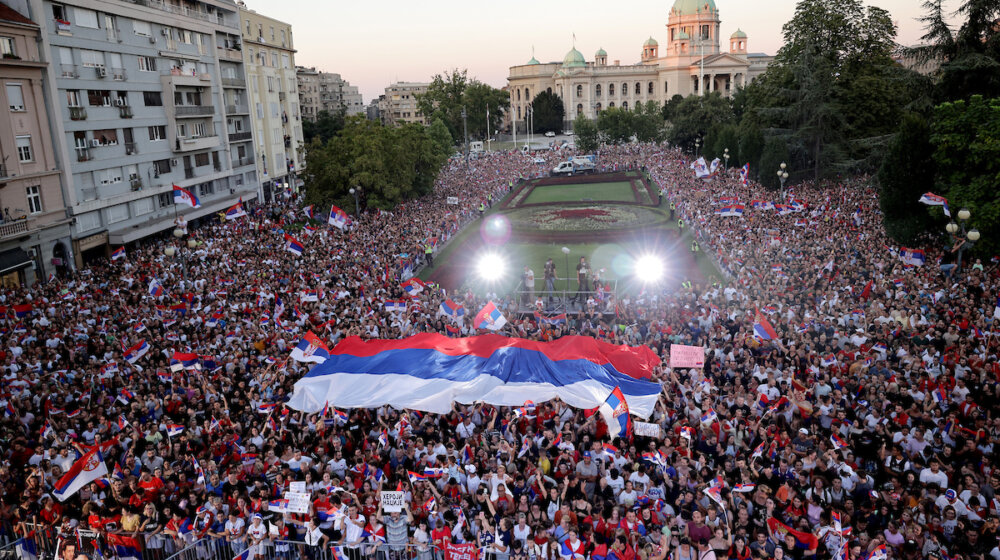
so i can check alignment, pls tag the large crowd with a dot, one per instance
(865, 428)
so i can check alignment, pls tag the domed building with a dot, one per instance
(690, 61)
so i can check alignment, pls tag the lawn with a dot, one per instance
(618, 191)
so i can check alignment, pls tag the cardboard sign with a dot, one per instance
(298, 502)
(452, 200)
(646, 429)
(460, 551)
(393, 501)
(682, 356)
(299, 486)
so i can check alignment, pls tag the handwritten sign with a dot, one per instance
(298, 486)
(298, 502)
(460, 551)
(682, 356)
(393, 501)
(646, 429)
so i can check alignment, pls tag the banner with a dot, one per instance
(393, 501)
(298, 502)
(460, 551)
(682, 356)
(452, 200)
(646, 429)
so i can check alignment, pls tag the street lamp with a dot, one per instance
(356, 209)
(565, 251)
(726, 157)
(697, 143)
(782, 176)
(171, 251)
(967, 238)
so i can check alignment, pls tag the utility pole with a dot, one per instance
(465, 125)
(488, 144)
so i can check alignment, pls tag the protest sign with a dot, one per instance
(393, 501)
(682, 356)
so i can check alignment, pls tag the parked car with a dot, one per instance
(550, 134)
(539, 160)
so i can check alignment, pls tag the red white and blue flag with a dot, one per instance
(489, 317)
(174, 430)
(310, 349)
(412, 287)
(338, 218)
(914, 257)
(452, 309)
(614, 410)
(135, 353)
(118, 253)
(235, 211)
(932, 199)
(554, 320)
(184, 196)
(762, 328)
(155, 288)
(23, 310)
(745, 174)
(184, 360)
(308, 210)
(85, 470)
(293, 245)
(735, 210)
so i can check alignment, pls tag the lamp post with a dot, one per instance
(465, 125)
(967, 238)
(782, 176)
(171, 251)
(565, 251)
(354, 192)
(725, 156)
(697, 143)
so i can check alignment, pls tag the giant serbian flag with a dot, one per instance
(430, 372)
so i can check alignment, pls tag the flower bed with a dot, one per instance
(583, 218)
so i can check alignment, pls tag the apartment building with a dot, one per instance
(325, 91)
(34, 226)
(145, 94)
(269, 58)
(307, 81)
(400, 104)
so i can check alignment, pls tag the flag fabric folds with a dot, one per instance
(932, 199)
(338, 218)
(119, 253)
(762, 328)
(489, 317)
(310, 349)
(614, 410)
(184, 196)
(429, 372)
(235, 211)
(293, 245)
(85, 470)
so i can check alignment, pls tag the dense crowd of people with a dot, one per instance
(865, 428)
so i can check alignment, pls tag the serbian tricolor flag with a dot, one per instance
(554, 320)
(452, 309)
(489, 317)
(412, 287)
(932, 199)
(416, 476)
(310, 349)
(763, 329)
(133, 354)
(803, 540)
(184, 360)
(838, 442)
(235, 211)
(174, 430)
(118, 253)
(338, 218)
(23, 310)
(293, 245)
(430, 371)
(155, 288)
(85, 470)
(308, 210)
(614, 410)
(184, 196)
(126, 547)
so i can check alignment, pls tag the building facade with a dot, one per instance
(307, 80)
(144, 95)
(400, 103)
(269, 57)
(324, 91)
(692, 62)
(35, 236)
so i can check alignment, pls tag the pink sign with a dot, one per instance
(686, 356)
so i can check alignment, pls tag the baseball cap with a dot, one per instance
(803, 431)
(586, 453)
(950, 494)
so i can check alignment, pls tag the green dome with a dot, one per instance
(651, 42)
(683, 36)
(738, 35)
(692, 7)
(601, 52)
(574, 59)
(533, 61)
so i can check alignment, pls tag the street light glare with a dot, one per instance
(491, 266)
(649, 268)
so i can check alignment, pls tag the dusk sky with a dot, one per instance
(373, 45)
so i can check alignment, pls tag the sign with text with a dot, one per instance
(393, 501)
(646, 429)
(452, 200)
(298, 502)
(297, 486)
(460, 551)
(682, 356)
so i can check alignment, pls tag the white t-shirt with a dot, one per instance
(928, 477)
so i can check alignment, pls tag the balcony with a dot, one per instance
(125, 111)
(199, 143)
(136, 183)
(235, 55)
(237, 110)
(243, 161)
(288, 141)
(131, 148)
(118, 74)
(13, 228)
(77, 113)
(240, 136)
(194, 110)
(83, 154)
(234, 82)
(189, 173)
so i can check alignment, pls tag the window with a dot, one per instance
(527, 95)
(186, 37)
(161, 166)
(248, 27)
(598, 107)
(611, 89)
(92, 59)
(15, 97)
(625, 105)
(181, 130)
(142, 28)
(579, 91)
(260, 31)
(201, 160)
(275, 109)
(157, 133)
(106, 137)
(283, 38)
(274, 60)
(118, 213)
(638, 88)
(72, 98)
(7, 47)
(666, 87)
(147, 64)
(270, 84)
(200, 130)
(99, 98)
(85, 18)
(142, 206)
(579, 108)
(152, 99)
(611, 105)
(206, 189)
(285, 62)
(59, 12)
(34, 195)
(649, 88)
(24, 149)
(166, 200)
(260, 110)
(624, 89)
(597, 90)
(704, 32)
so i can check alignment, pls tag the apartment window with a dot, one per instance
(260, 31)
(7, 47)
(272, 32)
(201, 160)
(15, 97)
(275, 110)
(99, 98)
(24, 149)
(206, 189)
(166, 200)
(152, 99)
(270, 84)
(260, 110)
(282, 37)
(34, 195)
(147, 64)
(274, 60)
(579, 91)
(86, 18)
(285, 62)
(157, 133)
(186, 37)
(72, 98)
(181, 130)
(649, 88)
(92, 59)
(106, 137)
(161, 166)
(611, 89)
(142, 28)
(118, 213)
(199, 130)
(59, 12)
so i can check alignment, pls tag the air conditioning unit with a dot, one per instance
(119, 102)
(152, 40)
(173, 163)
(164, 31)
(95, 142)
(102, 71)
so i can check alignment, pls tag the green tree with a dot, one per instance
(966, 140)
(647, 122)
(548, 112)
(775, 152)
(443, 100)
(615, 125)
(695, 116)
(969, 57)
(325, 126)
(751, 142)
(907, 172)
(443, 142)
(476, 99)
(721, 137)
(670, 107)
(587, 134)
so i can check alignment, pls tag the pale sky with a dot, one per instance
(374, 44)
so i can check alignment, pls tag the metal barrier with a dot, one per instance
(220, 549)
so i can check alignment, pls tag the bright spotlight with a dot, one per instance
(649, 268)
(491, 266)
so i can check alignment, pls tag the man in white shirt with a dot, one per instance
(352, 526)
(933, 474)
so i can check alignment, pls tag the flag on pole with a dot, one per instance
(293, 245)
(310, 349)
(762, 328)
(614, 410)
(338, 218)
(119, 253)
(184, 196)
(489, 317)
(85, 470)
(932, 199)
(235, 211)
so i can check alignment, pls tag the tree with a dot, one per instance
(325, 126)
(775, 152)
(695, 116)
(587, 134)
(442, 139)
(548, 112)
(443, 100)
(970, 57)
(476, 99)
(615, 125)
(647, 122)
(907, 172)
(670, 107)
(721, 137)
(966, 140)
